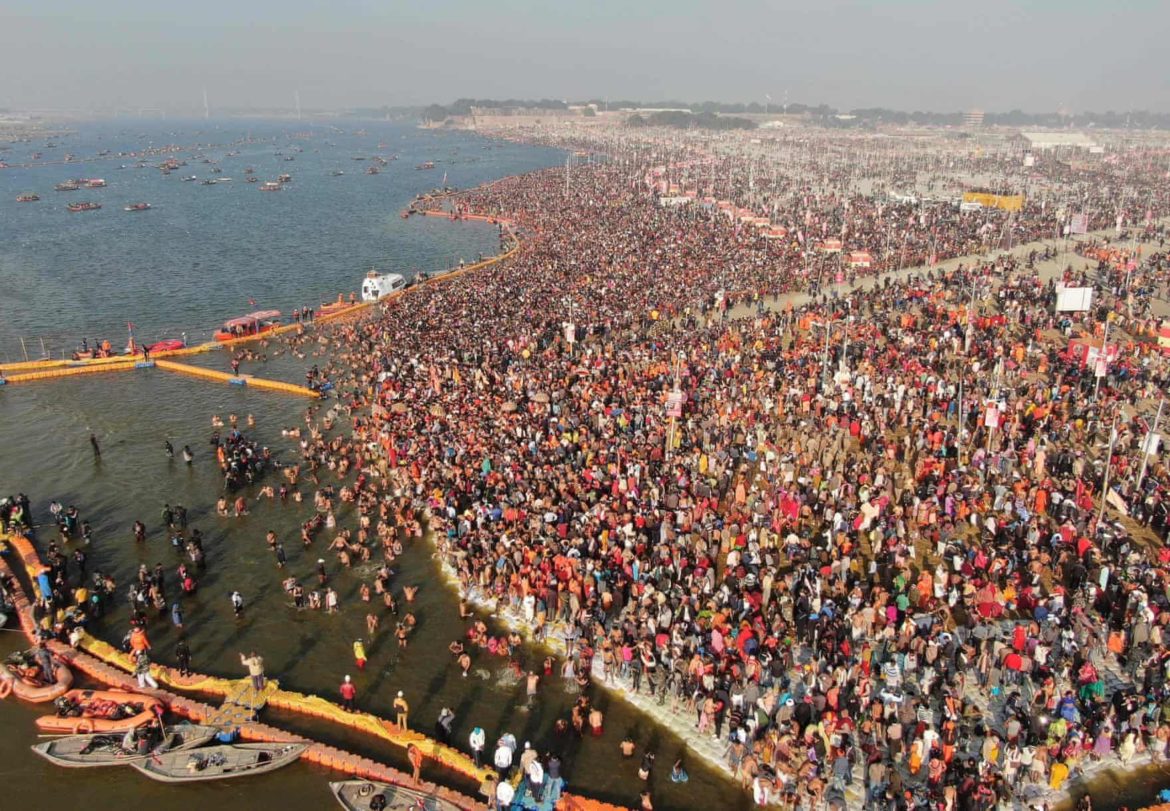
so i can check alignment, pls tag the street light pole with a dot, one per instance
(1108, 461)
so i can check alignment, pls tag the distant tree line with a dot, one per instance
(441, 112)
(683, 120)
(707, 113)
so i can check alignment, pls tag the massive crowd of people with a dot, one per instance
(883, 557)
(856, 536)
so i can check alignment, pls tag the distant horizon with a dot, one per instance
(365, 110)
(899, 54)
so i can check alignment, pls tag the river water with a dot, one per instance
(192, 261)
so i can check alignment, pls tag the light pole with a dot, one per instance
(1108, 461)
(827, 327)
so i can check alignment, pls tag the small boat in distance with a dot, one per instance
(27, 198)
(247, 326)
(426, 165)
(166, 345)
(219, 762)
(208, 182)
(284, 178)
(68, 185)
(337, 173)
(138, 207)
(83, 206)
(94, 183)
(270, 186)
(253, 179)
(373, 170)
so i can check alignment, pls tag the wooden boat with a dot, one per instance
(219, 762)
(86, 751)
(81, 712)
(31, 690)
(357, 795)
(250, 325)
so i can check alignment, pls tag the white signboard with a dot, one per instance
(1074, 299)
(1151, 443)
(991, 416)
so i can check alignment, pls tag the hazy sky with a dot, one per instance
(943, 55)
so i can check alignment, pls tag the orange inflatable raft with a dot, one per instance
(85, 711)
(26, 689)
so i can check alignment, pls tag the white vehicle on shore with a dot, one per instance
(377, 285)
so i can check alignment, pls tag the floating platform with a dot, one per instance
(236, 380)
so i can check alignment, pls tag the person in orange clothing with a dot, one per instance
(415, 756)
(138, 640)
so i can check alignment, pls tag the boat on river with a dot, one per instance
(27, 198)
(68, 185)
(376, 285)
(426, 165)
(166, 345)
(359, 795)
(219, 762)
(21, 675)
(138, 207)
(87, 751)
(249, 325)
(75, 207)
(80, 712)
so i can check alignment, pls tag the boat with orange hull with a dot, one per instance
(334, 307)
(83, 711)
(18, 682)
(247, 326)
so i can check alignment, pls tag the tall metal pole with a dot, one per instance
(1146, 450)
(825, 358)
(1108, 462)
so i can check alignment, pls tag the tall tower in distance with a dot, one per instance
(206, 109)
(973, 118)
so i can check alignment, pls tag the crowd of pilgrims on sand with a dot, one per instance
(831, 561)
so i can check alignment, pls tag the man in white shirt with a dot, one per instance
(503, 760)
